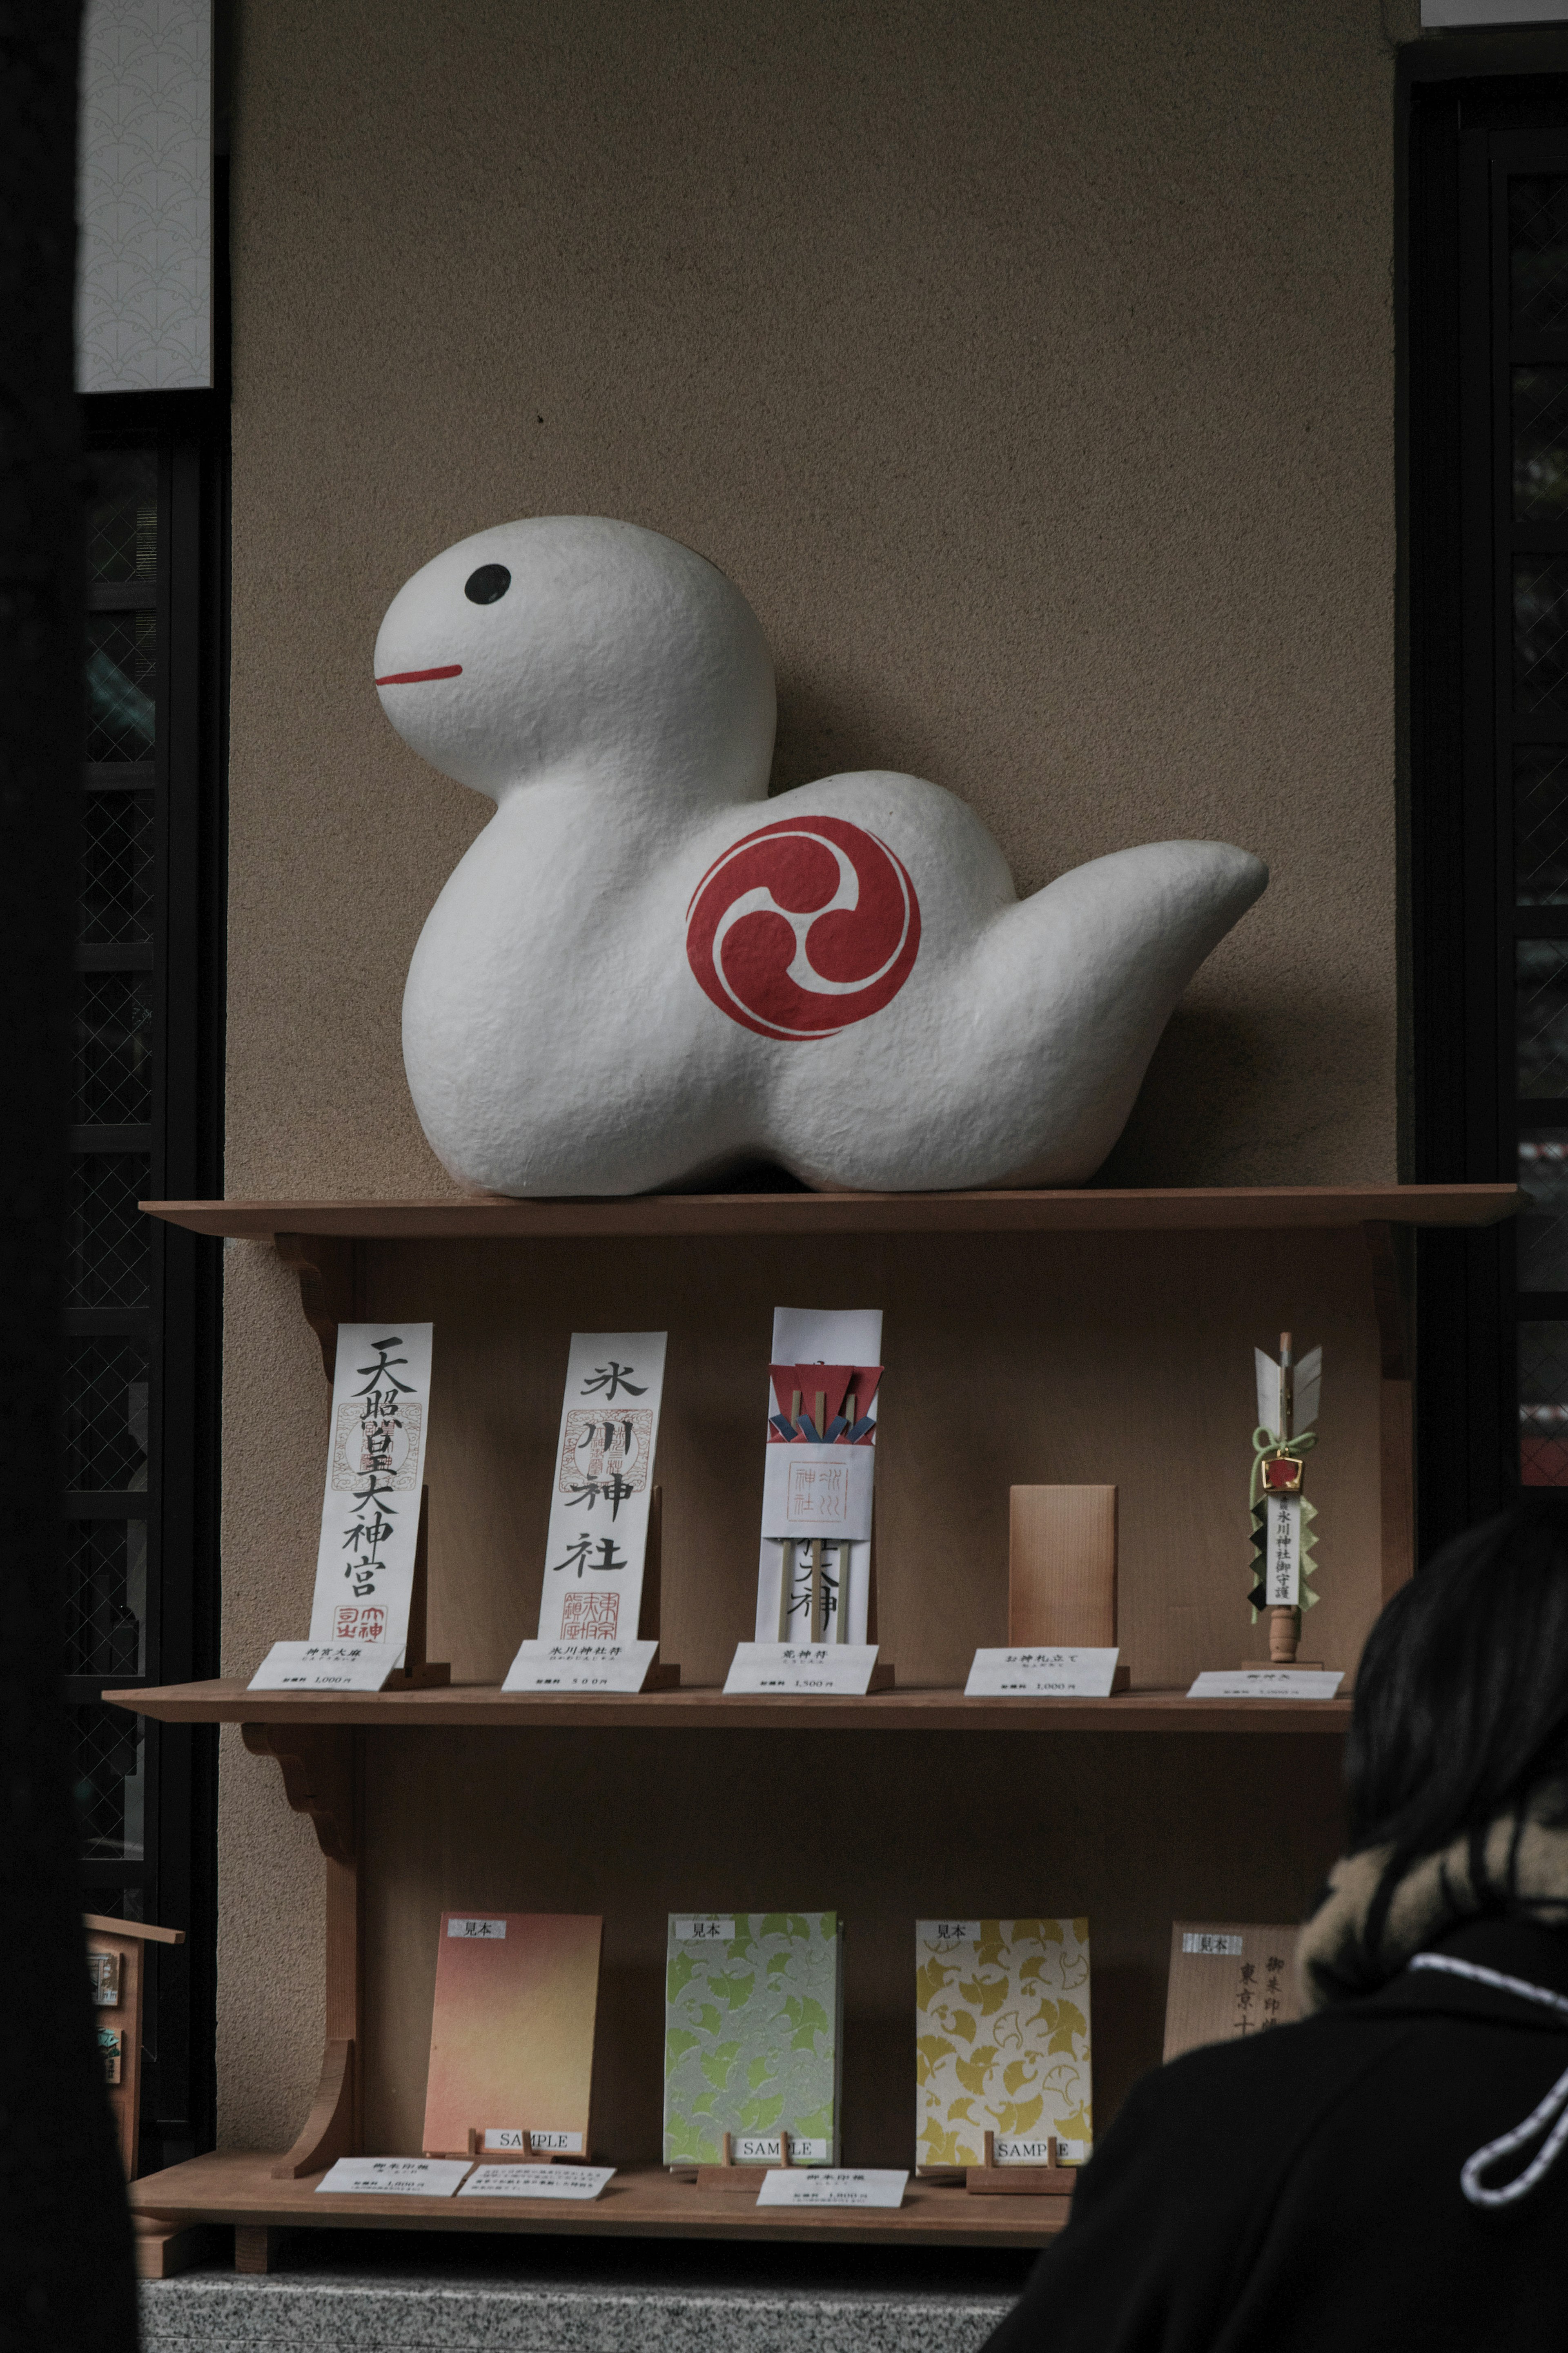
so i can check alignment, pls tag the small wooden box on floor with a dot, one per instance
(1061, 1570)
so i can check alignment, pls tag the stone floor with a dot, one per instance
(326, 2292)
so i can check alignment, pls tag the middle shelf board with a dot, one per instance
(642, 2201)
(471, 1705)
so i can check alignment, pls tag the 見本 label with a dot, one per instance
(326, 1667)
(801, 1669)
(581, 1667)
(478, 1924)
(370, 1512)
(712, 1930)
(1041, 1675)
(833, 2185)
(404, 2177)
(537, 2181)
(1203, 1940)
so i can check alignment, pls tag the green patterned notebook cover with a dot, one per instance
(1002, 2040)
(753, 2024)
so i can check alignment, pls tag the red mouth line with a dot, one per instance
(413, 677)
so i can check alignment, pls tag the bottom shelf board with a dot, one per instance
(642, 2201)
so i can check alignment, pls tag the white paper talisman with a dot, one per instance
(834, 2185)
(581, 1667)
(820, 1669)
(804, 1336)
(1041, 1675)
(375, 1467)
(405, 2177)
(537, 2181)
(602, 1490)
(326, 1667)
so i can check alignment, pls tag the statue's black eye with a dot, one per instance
(488, 585)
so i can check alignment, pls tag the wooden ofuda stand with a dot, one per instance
(1069, 1340)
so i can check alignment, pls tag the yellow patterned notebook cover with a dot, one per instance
(1002, 2040)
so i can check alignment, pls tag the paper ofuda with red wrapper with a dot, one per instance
(818, 1472)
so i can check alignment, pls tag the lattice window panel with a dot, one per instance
(107, 1242)
(115, 909)
(106, 1414)
(109, 1784)
(122, 685)
(106, 1598)
(123, 517)
(1540, 632)
(1538, 258)
(113, 1048)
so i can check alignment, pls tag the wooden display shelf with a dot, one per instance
(1107, 1340)
(474, 1705)
(813, 1216)
(642, 2201)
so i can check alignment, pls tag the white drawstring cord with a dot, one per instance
(1555, 2103)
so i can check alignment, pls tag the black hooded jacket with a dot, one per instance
(1300, 2192)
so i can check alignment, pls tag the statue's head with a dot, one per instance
(573, 646)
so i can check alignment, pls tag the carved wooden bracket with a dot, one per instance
(325, 1266)
(318, 1778)
(328, 2132)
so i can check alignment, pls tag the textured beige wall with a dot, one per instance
(1029, 367)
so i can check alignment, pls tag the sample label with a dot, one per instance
(705, 1932)
(462, 1927)
(1199, 1940)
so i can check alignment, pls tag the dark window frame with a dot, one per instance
(175, 1880)
(1466, 137)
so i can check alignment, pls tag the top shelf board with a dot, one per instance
(810, 1214)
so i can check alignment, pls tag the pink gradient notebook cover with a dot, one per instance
(512, 2035)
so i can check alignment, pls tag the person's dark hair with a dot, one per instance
(1461, 1697)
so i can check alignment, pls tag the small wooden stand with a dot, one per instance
(1062, 1571)
(993, 2180)
(160, 2248)
(418, 1672)
(728, 2174)
(121, 1944)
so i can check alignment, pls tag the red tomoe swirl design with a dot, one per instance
(802, 928)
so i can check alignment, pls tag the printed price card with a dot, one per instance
(537, 2181)
(1041, 1675)
(834, 2185)
(326, 1667)
(581, 1667)
(407, 2177)
(1269, 1682)
(830, 1669)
